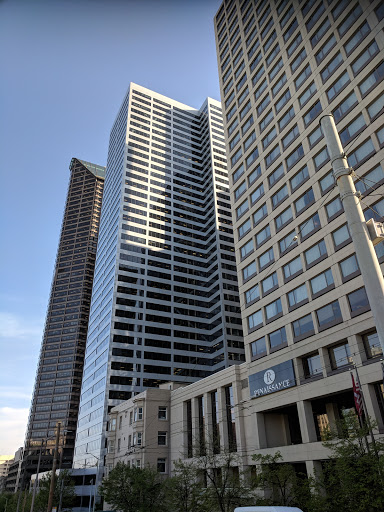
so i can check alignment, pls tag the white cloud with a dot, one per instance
(15, 393)
(13, 424)
(14, 327)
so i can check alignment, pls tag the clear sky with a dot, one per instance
(65, 67)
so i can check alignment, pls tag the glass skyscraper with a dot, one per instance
(165, 303)
(58, 380)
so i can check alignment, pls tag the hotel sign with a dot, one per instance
(275, 378)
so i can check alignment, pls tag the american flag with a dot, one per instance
(357, 396)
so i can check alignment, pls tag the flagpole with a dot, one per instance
(358, 399)
(382, 367)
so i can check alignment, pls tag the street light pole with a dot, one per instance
(37, 476)
(90, 497)
(96, 478)
(52, 486)
(95, 490)
(368, 262)
(61, 492)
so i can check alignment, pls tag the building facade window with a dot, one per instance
(255, 320)
(260, 214)
(299, 178)
(370, 180)
(334, 208)
(256, 173)
(240, 210)
(263, 235)
(312, 366)
(258, 348)
(372, 345)
(303, 76)
(273, 310)
(247, 248)
(310, 226)
(231, 418)
(249, 271)
(266, 259)
(303, 327)
(329, 315)
(338, 86)
(277, 338)
(161, 465)
(304, 201)
(288, 242)
(244, 228)
(345, 106)
(295, 43)
(284, 218)
(275, 175)
(362, 61)
(349, 267)
(252, 294)
(293, 268)
(349, 20)
(322, 283)
(341, 237)
(269, 284)
(257, 194)
(358, 302)
(297, 297)
(320, 32)
(372, 79)
(340, 356)
(294, 157)
(362, 153)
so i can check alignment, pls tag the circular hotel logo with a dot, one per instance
(269, 376)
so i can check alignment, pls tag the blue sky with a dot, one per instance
(66, 65)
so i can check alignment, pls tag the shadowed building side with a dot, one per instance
(58, 379)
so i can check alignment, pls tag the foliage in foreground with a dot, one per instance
(130, 489)
(8, 501)
(352, 480)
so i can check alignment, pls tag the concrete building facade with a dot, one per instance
(13, 477)
(139, 430)
(165, 303)
(6, 462)
(306, 317)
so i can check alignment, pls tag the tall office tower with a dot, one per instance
(306, 316)
(165, 298)
(57, 387)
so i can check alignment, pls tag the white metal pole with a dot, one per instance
(37, 477)
(368, 262)
(90, 497)
(95, 490)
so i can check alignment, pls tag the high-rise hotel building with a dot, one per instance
(165, 303)
(56, 395)
(306, 316)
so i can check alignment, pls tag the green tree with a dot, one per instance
(130, 489)
(280, 482)
(223, 486)
(352, 478)
(186, 489)
(64, 487)
(7, 501)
